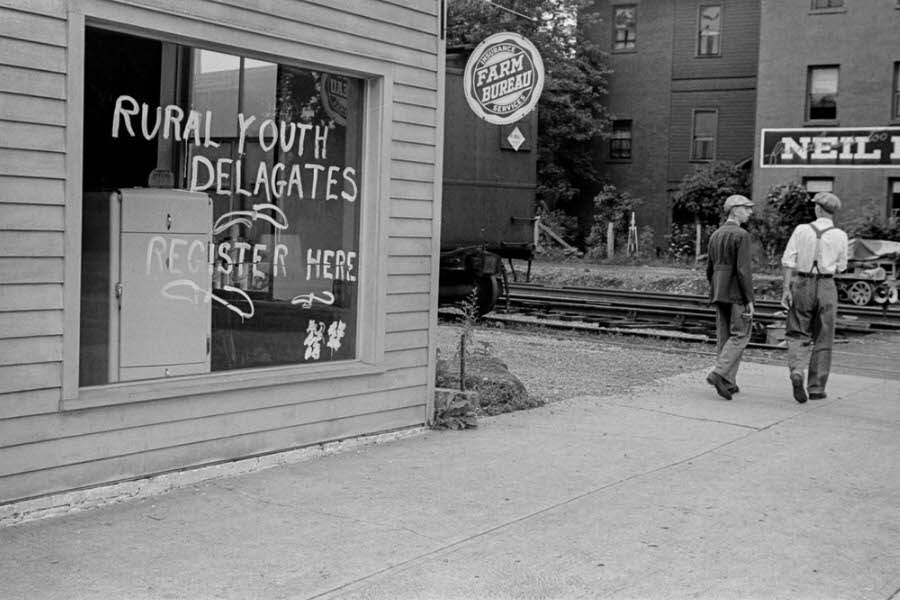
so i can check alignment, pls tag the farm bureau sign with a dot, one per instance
(857, 147)
(504, 78)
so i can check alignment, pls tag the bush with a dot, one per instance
(611, 206)
(876, 227)
(701, 194)
(680, 242)
(563, 225)
(786, 206)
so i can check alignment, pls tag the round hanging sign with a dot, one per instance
(504, 78)
(334, 97)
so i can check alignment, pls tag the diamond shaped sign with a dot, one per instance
(515, 138)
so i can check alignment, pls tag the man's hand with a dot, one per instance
(787, 298)
(750, 310)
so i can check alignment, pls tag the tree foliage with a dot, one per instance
(571, 112)
(701, 194)
(786, 206)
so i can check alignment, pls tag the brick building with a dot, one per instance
(839, 79)
(682, 93)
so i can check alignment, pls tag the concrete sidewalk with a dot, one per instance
(669, 492)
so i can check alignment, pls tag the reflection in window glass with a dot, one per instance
(823, 90)
(625, 22)
(278, 150)
(703, 146)
(620, 140)
(710, 30)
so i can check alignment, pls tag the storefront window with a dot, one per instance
(270, 275)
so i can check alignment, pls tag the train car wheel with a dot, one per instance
(488, 294)
(894, 295)
(882, 292)
(860, 293)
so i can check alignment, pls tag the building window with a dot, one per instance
(625, 23)
(894, 198)
(263, 271)
(895, 114)
(822, 94)
(703, 146)
(816, 4)
(620, 142)
(710, 39)
(814, 185)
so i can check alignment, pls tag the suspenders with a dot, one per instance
(819, 233)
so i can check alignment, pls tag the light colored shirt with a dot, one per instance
(801, 249)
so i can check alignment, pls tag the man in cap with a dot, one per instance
(730, 279)
(815, 252)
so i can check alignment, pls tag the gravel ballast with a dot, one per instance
(556, 367)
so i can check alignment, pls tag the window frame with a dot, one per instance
(895, 91)
(808, 104)
(720, 32)
(615, 29)
(891, 211)
(374, 186)
(830, 7)
(630, 138)
(694, 138)
(807, 180)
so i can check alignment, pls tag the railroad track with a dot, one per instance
(630, 310)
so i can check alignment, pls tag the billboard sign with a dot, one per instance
(848, 147)
(504, 78)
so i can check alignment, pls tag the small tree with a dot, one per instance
(876, 227)
(787, 205)
(703, 192)
(610, 206)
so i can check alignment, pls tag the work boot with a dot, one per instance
(817, 395)
(718, 382)
(797, 384)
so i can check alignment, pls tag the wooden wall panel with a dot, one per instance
(17, 378)
(33, 402)
(30, 323)
(20, 53)
(32, 270)
(37, 483)
(33, 27)
(28, 190)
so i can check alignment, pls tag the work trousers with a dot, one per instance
(732, 336)
(810, 329)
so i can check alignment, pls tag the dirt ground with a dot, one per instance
(667, 279)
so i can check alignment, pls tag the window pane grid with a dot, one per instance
(620, 140)
(703, 144)
(822, 94)
(710, 30)
(625, 28)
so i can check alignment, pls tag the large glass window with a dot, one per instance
(625, 27)
(703, 145)
(262, 273)
(620, 141)
(822, 93)
(710, 36)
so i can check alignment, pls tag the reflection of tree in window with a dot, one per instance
(626, 28)
(710, 30)
(823, 90)
(620, 140)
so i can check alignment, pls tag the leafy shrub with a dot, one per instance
(786, 206)
(701, 194)
(876, 227)
(680, 242)
(563, 225)
(611, 206)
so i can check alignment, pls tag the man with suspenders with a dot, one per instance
(815, 252)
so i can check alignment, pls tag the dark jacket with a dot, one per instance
(728, 267)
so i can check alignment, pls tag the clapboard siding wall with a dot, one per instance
(46, 447)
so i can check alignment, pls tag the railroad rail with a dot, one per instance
(625, 310)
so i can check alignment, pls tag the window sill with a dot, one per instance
(829, 11)
(626, 51)
(702, 160)
(155, 389)
(619, 161)
(705, 56)
(822, 123)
